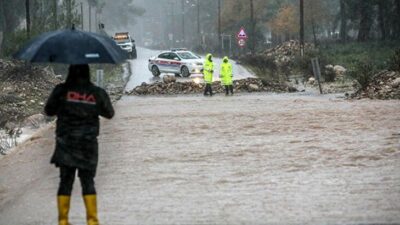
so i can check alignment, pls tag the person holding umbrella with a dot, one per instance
(77, 103)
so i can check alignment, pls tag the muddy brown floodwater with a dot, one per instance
(248, 159)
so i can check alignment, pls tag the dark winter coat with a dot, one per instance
(78, 108)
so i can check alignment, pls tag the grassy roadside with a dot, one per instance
(113, 82)
(112, 73)
(283, 61)
(350, 54)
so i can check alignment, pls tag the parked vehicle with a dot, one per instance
(125, 41)
(178, 61)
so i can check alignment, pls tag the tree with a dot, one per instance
(285, 24)
(248, 14)
(343, 21)
(396, 21)
(366, 19)
(2, 24)
(253, 27)
(11, 14)
(120, 14)
(28, 18)
(302, 27)
(382, 11)
(55, 16)
(317, 16)
(69, 13)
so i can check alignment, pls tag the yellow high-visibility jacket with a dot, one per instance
(208, 69)
(226, 72)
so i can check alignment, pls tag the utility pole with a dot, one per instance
(69, 14)
(82, 16)
(183, 22)
(28, 19)
(90, 18)
(343, 21)
(96, 20)
(219, 28)
(55, 16)
(302, 27)
(173, 25)
(198, 21)
(253, 28)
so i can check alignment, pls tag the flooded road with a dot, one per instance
(141, 73)
(247, 159)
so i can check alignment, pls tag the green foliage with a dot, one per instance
(42, 20)
(264, 67)
(112, 73)
(63, 16)
(363, 72)
(350, 54)
(303, 65)
(14, 42)
(394, 63)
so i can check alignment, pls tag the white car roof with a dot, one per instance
(175, 51)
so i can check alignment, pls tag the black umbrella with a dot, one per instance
(72, 47)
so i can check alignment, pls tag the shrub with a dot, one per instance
(264, 66)
(14, 42)
(363, 72)
(394, 62)
(303, 65)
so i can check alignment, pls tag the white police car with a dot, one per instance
(177, 61)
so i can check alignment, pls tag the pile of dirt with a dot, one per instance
(23, 90)
(286, 51)
(384, 85)
(170, 87)
(278, 56)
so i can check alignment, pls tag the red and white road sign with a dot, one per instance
(241, 42)
(242, 34)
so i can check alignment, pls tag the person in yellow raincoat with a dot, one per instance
(208, 74)
(226, 75)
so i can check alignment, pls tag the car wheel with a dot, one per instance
(134, 55)
(155, 71)
(185, 72)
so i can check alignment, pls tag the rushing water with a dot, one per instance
(246, 159)
(275, 159)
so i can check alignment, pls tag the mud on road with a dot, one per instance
(248, 159)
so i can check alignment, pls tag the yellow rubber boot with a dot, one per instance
(63, 203)
(91, 209)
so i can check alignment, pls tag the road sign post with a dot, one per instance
(242, 34)
(317, 72)
(241, 43)
(100, 78)
(242, 37)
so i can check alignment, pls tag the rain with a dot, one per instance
(197, 112)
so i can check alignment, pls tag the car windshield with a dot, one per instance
(187, 55)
